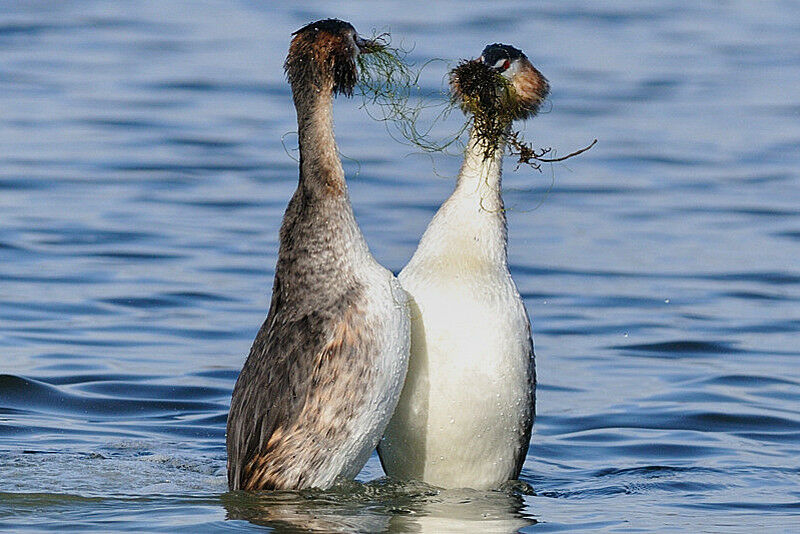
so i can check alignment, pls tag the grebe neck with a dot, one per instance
(321, 170)
(467, 236)
(481, 174)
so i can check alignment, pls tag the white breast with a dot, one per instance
(388, 305)
(467, 397)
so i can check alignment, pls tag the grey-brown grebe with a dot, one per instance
(327, 367)
(465, 415)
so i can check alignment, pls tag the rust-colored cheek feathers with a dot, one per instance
(531, 89)
(322, 61)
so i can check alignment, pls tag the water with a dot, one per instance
(142, 182)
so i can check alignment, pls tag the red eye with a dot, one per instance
(506, 64)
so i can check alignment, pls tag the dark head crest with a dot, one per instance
(322, 57)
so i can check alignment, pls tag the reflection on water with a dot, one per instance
(382, 506)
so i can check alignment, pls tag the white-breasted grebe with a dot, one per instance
(327, 366)
(466, 412)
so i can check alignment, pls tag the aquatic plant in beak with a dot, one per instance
(493, 91)
(492, 101)
(385, 79)
(388, 83)
(487, 98)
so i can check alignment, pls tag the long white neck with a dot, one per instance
(481, 175)
(469, 230)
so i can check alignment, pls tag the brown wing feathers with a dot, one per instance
(290, 434)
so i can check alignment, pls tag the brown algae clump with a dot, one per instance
(487, 97)
(497, 89)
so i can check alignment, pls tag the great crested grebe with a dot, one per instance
(465, 415)
(327, 366)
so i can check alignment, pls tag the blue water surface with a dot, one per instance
(145, 163)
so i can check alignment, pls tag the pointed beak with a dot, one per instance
(365, 46)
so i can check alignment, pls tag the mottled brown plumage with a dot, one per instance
(312, 419)
(317, 389)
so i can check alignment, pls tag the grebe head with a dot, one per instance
(322, 57)
(502, 81)
(530, 86)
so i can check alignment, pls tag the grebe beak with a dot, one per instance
(365, 46)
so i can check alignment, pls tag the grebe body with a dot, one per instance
(327, 366)
(465, 415)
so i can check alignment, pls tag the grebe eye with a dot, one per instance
(506, 64)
